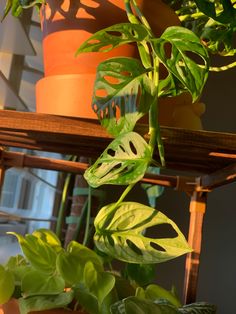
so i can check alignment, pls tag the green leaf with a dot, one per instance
(40, 254)
(75, 259)
(85, 254)
(7, 284)
(18, 266)
(37, 283)
(87, 300)
(99, 284)
(198, 308)
(185, 48)
(123, 93)
(114, 36)
(40, 303)
(123, 162)
(120, 234)
(154, 292)
(142, 274)
(48, 237)
(134, 305)
(69, 267)
(222, 11)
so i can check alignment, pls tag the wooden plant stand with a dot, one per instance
(208, 158)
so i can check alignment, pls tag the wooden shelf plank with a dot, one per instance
(200, 151)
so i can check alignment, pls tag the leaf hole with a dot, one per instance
(117, 166)
(111, 152)
(93, 41)
(167, 48)
(114, 33)
(126, 73)
(110, 240)
(195, 57)
(157, 247)
(95, 107)
(133, 148)
(101, 93)
(133, 247)
(106, 48)
(111, 79)
(161, 231)
(122, 148)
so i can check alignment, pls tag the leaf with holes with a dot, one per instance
(123, 162)
(222, 11)
(135, 305)
(123, 93)
(185, 49)
(114, 36)
(120, 233)
(198, 308)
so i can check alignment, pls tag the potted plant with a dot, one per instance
(127, 89)
(50, 279)
(65, 26)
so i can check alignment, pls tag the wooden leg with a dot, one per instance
(197, 210)
(2, 175)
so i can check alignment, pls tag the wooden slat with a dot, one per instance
(200, 151)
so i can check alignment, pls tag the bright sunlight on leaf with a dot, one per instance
(187, 61)
(123, 162)
(114, 36)
(123, 93)
(120, 233)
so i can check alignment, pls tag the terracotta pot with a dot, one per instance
(11, 307)
(65, 26)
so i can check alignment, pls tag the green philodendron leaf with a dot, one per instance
(19, 267)
(134, 305)
(119, 233)
(7, 284)
(219, 39)
(154, 292)
(124, 161)
(40, 254)
(37, 283)
(114, 36)
(75, 259)
(99, 284)
(48, 237)
(222, 11)
(40, 303)
(85, 254)
(142, 274)
(123, 93)
(69, 267)
(185, 49)
(198, 308)
(87, 300)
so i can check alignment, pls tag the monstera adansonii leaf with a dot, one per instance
(123, 162)
(222, 11)
(185, 58)
(123, 93)
(120, 233)
(111, 37)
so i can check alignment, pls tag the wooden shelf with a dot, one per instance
(203, 152)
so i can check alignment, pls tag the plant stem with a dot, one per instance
(194, 16)
(223, 68)
(88, 216)
(154, 127)
(62, 206)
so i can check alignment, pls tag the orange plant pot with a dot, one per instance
(65, 26)
(12, 307)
